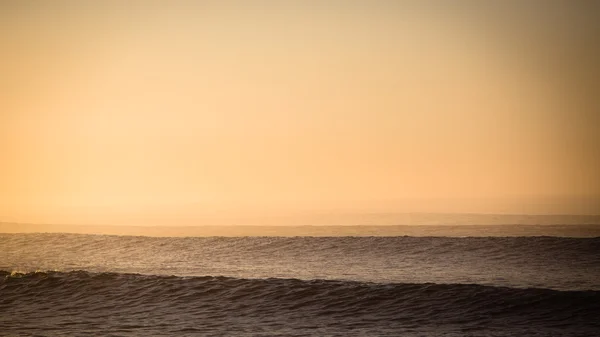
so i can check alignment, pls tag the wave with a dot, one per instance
(539, 262)
(81, 296)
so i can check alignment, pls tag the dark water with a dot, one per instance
(303, 286)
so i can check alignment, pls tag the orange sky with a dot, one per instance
(271, 107)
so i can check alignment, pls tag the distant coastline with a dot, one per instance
(561, 230)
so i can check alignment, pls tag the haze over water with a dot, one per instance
(112, 111)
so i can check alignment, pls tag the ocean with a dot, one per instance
(83, 285)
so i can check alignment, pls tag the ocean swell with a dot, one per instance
(518, 262)
(39, 301)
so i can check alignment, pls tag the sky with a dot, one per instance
(111, 110)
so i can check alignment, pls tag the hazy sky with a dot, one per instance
(274, 106)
